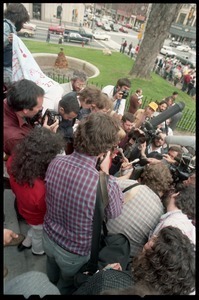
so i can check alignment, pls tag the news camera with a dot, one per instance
(180, 171)
(183, 169)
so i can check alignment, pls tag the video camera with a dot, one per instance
(150, 127)
(184, 169)
(180, 171)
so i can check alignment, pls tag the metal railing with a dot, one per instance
(186, 123)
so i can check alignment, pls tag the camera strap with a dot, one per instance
(130, 187)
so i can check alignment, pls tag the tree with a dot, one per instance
(157, 30)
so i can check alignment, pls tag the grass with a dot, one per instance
(112, 68)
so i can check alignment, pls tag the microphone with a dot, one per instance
(168, 113)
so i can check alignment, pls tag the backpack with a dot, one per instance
(7, 51)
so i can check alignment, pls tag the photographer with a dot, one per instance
(141, 115)
(173, 156)
(22, 108)
(122, 85)
(68, 110)
(154, 149)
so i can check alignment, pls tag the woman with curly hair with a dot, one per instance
(142, 207)
(15, 15)
(27, 167)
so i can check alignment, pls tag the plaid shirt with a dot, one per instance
(139, 215)
(71, 185)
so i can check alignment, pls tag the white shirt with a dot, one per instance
(177, 218)
(109, 90)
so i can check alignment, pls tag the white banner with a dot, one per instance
(25, 66)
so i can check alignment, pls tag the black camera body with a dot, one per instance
(52, 116)
(125, 94)
(183, 170)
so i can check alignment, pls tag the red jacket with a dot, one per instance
(187, 78)
(30, 200)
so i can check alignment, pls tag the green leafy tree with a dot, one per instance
(160, 18)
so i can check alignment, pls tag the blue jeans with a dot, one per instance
(62, 265)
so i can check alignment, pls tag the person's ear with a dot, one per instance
(61, 110)
(25, 111)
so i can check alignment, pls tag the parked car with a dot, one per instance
(186, 60)
(192, 46)
(184, 48)
(115, 27)
(98, 23)
(123, 29)
(100, 35)
(26, 33)
(136, 28)
(128, 26)
(75, 37)
(175, 44)
(167, 50)
(56, 29)
(81, 31)
(106, 27)
(30, 26)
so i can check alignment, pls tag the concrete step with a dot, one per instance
(15, 261)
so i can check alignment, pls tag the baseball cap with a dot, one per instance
(153, 105)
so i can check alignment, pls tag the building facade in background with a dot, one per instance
(183, 29)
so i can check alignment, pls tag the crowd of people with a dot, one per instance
(53, 161)
(172, 70)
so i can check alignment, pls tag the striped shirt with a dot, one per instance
(140, 214)
(71, 185)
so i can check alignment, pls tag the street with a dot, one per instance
(113, 44)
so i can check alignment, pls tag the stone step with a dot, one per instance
(14, 260)
(18, 262)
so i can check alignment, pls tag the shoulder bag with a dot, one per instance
(105, 248)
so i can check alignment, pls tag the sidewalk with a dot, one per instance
(15, 261)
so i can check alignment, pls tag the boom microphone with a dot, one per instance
(168, 113)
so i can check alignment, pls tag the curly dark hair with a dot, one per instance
(139, 288)
(157, 177)
(17, 13)
(96, 134)
(186, 200)
(33, 154)
(169, 265)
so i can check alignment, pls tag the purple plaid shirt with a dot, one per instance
(71, 185)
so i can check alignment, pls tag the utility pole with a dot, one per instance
(143, 26)
(93, 20)
(60, 20)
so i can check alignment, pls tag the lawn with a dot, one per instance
(112, 68)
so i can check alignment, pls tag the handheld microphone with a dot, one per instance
(168, 113)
